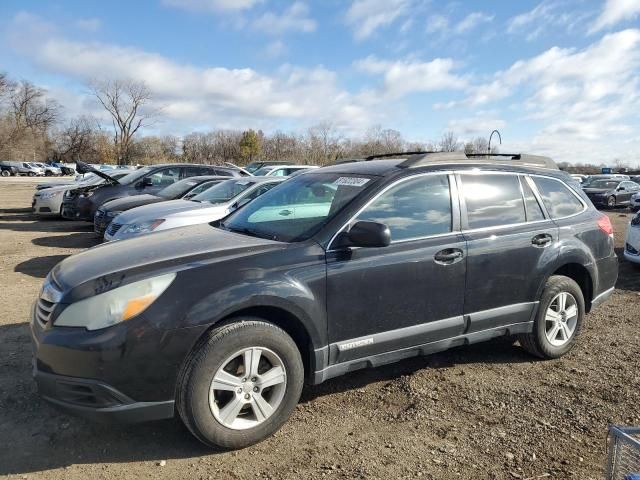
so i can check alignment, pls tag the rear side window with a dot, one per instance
(557, 197)
(493, 200)
(534, 211)
(414, 208)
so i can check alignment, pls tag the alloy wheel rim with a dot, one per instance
(612, 202)
(248, 388)
(561, 319)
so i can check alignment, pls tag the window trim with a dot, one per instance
(455, 209)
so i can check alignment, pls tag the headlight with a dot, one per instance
(114, 306)
(87, 193)
(112, 214)
(50, 194)
(635, 221)
(144, 227)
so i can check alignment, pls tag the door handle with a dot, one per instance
(285, 212)
(448, 256)
(542, 240)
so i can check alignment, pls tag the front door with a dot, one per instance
(408, 293)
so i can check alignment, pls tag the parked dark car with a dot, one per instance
(184, 189)
(8, 171)
(341, 268)
(611, 192)
(82, 203)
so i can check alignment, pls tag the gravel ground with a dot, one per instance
(484, 411)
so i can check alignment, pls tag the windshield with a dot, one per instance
(263, 171)
(299, 207)
(608, 184)
(135, 176)
(224, 192)
(178, 189)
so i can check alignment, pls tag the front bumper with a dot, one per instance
(47, 206)
(77, 208)
(97, 401)
(632, 244)
(127, 372)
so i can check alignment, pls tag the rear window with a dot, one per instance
(557, 197)
(492, 200)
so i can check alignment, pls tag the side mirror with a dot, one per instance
(366, 234)
(145, 182)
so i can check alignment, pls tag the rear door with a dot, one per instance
(510, 240)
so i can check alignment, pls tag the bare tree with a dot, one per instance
(449, 142)
(125, 102)
(75, 141)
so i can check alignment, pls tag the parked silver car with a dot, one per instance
(211, 205)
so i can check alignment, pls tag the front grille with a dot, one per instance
(46, 303)
(114, 227)
(43, 311)
(98, 220)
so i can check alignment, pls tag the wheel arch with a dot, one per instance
(581, 275)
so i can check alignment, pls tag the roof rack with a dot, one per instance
(420, 159)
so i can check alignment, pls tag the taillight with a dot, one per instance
(604, 224)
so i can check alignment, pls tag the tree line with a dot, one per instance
(34, 128)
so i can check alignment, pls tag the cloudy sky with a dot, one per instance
(558, 77)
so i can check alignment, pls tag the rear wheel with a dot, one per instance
(5, 173)
(240, 384)
(31, 174)
(558, 321)
(611, 202)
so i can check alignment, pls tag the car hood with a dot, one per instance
(82, 167)
(158, 210)
(106, 266)
(127, 203)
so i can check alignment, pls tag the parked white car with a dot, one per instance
(632, 243)
(281, 170)
(48, 202)
(211, 205)
(49, 170)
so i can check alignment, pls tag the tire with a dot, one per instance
(5, 173)
(203, 412)
(538, 341)
(31, 174)
(611, 202)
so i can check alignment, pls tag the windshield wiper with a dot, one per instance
(248, 231)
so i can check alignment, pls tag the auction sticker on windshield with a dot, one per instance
(351, 181)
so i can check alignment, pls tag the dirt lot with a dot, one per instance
(486, 411)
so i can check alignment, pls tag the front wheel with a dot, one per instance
(558, 321)
(611, 202)
(31, 174)
(5, 173)
(240, 384)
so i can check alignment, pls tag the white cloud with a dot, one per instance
(214, 96)
(212, 5)
(471, 21)
(442, 25)
(546, 15)
(276, 49)
(295, 18)
(89, 24)
(616, 11)
(577, 97)
(402, 77)
(367, 16)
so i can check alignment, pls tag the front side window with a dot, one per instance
(557, 197)
(299, 207)
(201, 188)
(492, 200)
(414, 208)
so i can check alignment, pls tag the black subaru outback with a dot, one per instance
(341, 268)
